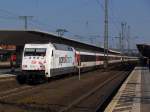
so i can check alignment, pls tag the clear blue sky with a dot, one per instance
(80, 17)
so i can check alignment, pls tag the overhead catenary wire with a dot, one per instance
(9, 15)
(111, 17)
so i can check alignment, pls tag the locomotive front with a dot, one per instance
(34, 62)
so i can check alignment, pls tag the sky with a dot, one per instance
(83, 19)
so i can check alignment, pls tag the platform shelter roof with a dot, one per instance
(21, 37)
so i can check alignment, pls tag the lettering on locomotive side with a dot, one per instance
(65, 59)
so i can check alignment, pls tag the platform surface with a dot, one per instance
(6, 75)
(134, 94)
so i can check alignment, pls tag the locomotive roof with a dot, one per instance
(20, 37)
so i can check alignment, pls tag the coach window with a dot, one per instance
(86, 58)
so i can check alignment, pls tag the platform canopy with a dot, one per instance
(21, 37)
(144, 50)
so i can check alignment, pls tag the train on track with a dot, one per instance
(43, 61)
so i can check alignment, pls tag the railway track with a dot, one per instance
(77, 103)
(80, 104)
(14, 92)
(8, 83)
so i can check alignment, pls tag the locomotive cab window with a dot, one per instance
(40, 52)
(35, 52)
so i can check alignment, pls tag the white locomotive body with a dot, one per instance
(49, 59)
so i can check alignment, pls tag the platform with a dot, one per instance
(8, 70)
(134, 94)
(7, 75)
